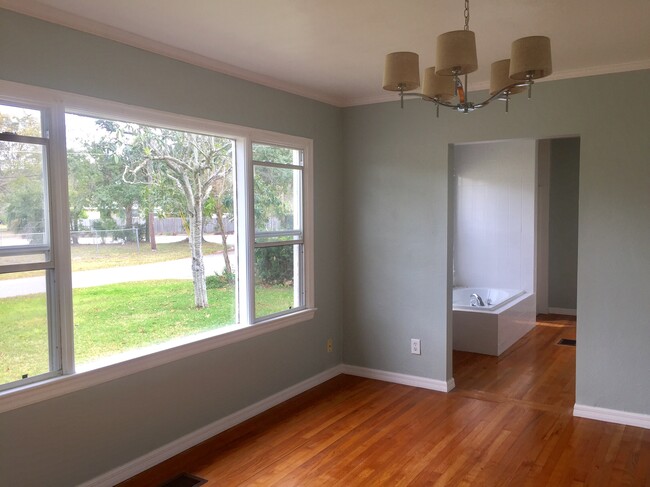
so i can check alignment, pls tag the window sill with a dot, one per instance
(133, 362)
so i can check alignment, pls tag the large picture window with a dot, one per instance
(167, 232)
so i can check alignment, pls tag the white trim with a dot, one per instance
(562, 311)
(409, 380)
(612, 416)
(83, 24)
(43, 98)
(167, 451)
(600, 70)
(155, 356)
(484, 85)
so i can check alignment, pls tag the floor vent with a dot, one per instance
(185, 480)
(567, 341)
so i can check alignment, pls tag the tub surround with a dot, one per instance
(493, 299)
(481, 330)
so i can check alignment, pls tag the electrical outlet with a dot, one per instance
(415, 346)
(330, 345)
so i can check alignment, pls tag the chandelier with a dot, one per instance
(530, 59)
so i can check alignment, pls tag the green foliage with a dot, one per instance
(274, 265)
(21, 122)
(220, 281)
(21, 174)
(272, 153)
(24, 206)
(273, 188)
(104, 223)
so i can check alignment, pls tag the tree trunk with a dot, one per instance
(224, 241)
(74, 223)
(152, 228)
(152, 231)
(128, 216)
(196, 247)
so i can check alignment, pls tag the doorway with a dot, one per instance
(534, 367)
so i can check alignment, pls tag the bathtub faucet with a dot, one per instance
(476, 300)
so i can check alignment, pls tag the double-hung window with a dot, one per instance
(29, 337)
(140, 236)
(278, 237)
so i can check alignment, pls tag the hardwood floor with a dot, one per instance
(507, 423)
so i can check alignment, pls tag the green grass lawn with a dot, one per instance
(117, 318)
(90, 257)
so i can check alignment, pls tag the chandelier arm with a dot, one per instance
(503, 90)
(445, 104)
(424, 97)
(461, 105)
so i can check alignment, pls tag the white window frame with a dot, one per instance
(299, 263)
(57, 104)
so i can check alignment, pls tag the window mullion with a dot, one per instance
(60, 231)
(244, 200)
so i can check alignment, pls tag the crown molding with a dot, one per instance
(484, 85)
(600, 70)
(83, 24)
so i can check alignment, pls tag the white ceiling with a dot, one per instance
(333, 50)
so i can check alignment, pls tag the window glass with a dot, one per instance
(24, 339)
(145, 203)
(277, 279)
(276, 154)
(20, 121)
(277, 199)
(23, 215)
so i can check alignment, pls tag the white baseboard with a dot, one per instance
(409, 380)
(165, 452)
(612, 416)
(562, 311)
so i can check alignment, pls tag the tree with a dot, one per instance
(111, 154)
(192, 163)
(24, 207)
(82, 180)
(219, 204)
(21, 176)
(274, 210)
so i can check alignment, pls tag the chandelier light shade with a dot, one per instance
(530, 59)
(401, 71)
(440, 87)
(456, 53)
(500, 78)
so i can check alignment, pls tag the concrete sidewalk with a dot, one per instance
(173, 269)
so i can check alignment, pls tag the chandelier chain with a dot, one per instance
(466, 15)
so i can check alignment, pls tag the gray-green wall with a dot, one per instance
(398, 274)
(563, 223)
(73, 438)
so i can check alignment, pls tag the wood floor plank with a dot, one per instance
(508, 423)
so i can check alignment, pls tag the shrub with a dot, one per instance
(220, 281)
(274, 265)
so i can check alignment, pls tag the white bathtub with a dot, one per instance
(507, 316)
(492, 298)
